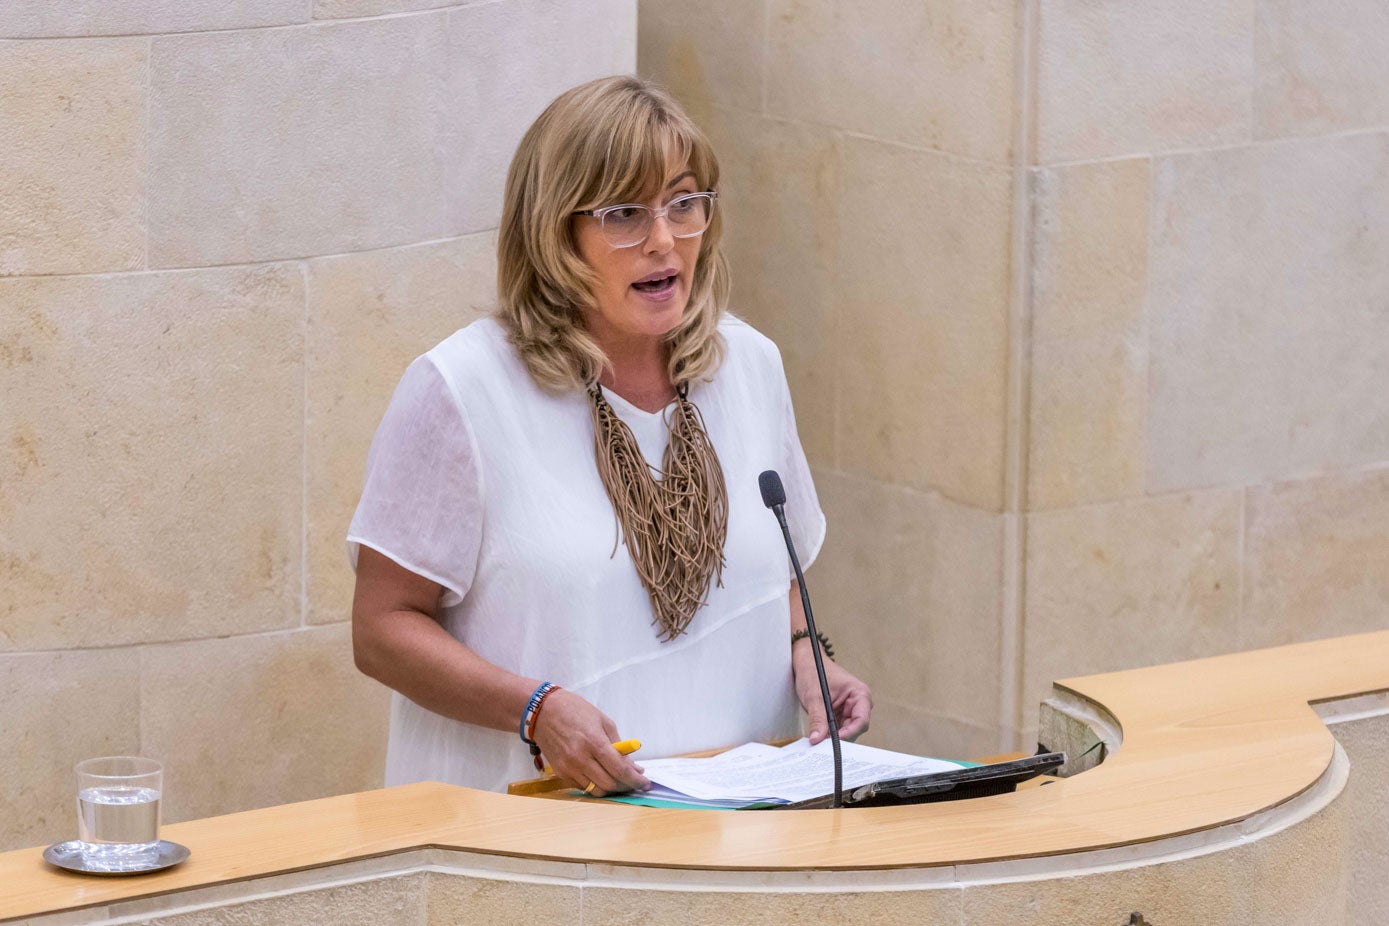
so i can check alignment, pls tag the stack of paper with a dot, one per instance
(756, 774)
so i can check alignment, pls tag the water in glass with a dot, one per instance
(118, 826)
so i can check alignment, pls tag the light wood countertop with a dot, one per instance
(1205, 743)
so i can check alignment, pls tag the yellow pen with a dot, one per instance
(625, 747)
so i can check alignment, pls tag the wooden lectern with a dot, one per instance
(1224, 800)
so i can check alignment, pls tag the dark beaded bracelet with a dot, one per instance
(804, 634)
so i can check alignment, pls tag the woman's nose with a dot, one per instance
(659, 239)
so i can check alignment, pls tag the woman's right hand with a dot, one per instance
(577, 740)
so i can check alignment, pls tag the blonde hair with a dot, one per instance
(604, 142)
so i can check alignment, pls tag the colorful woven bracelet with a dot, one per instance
(537, 700)
(532, 704)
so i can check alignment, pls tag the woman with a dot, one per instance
(512, 534)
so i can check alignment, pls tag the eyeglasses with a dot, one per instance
(628, 225)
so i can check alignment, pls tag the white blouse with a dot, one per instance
(484, 483)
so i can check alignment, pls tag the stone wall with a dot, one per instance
(225, 229)
(1085, 308)
(1209, 330)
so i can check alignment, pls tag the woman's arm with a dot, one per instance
(397, 639)
(853, 702)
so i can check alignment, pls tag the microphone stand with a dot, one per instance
(774, 497)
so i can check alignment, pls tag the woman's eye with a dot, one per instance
(625, 213)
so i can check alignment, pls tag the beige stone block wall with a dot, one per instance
(458, 900)
(907, 582)
(368, 315)
(225, 229)
(625, 907)
(1209, 357)
(48, 692)
(353, 9)
(403, 900)
(1270, 343)
(72, 156)
(1089, 338)
(929, 75)
(923, 292)
(305, 723)
(1110, 274)
(1322, 66)
(1317, 558)
(27, 19)
(1131, 583)
(1116, 78)
(156, 426)
(1366, 742)
(1297, 877)
(315, 140)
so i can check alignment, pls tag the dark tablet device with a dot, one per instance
(955, 785)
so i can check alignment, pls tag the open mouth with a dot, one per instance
(657, 286)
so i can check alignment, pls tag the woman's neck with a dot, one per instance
(637, 371)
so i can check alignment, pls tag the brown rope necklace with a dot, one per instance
(674, 526)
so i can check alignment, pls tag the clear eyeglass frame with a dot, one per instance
(629, 231)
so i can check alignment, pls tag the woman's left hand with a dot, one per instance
(852, 700)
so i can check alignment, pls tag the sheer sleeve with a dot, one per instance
(422, 498)
(803, 514)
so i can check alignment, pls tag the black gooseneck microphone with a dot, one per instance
(774, 497)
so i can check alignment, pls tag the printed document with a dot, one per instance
(756, 773)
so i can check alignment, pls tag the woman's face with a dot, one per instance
(642, 291)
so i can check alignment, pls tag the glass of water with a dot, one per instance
(118, 812)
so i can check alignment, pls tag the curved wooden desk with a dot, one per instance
(1205, 744)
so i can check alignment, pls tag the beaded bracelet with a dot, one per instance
(529, 716)
(804, 634)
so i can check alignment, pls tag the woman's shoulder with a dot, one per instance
(479, 339)
(748, 347)
(477, 352)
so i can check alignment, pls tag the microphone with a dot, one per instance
(774, 497)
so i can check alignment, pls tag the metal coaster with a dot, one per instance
(68, 855)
